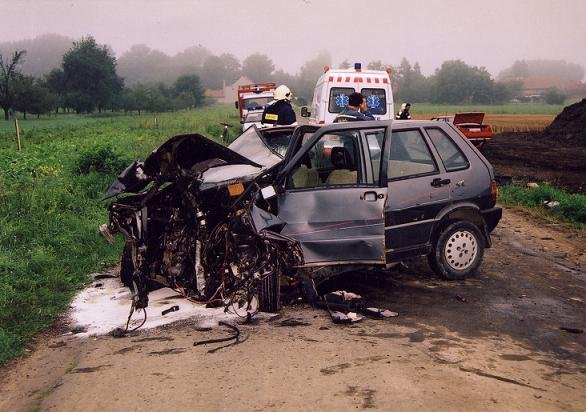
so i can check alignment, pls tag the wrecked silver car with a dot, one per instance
(225, 224)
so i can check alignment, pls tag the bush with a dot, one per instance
(554, 96)
(101, 160)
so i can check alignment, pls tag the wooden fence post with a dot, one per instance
(17, 134)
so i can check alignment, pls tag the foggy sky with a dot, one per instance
(490, 33)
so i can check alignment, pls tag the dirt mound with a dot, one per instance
(570, 125)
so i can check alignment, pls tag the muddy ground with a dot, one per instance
(492, 342)
(532, 157)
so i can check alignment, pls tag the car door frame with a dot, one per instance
(349, 240)
(408, 229)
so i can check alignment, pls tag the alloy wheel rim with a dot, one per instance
(461, 250)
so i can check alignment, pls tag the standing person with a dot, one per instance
(356, 110)
(280, 112)
(404, 114)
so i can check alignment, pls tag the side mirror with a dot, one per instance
(236, 105)
(305, 112)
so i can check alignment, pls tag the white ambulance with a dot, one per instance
(331, 92)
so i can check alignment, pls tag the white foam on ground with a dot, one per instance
(99, 310)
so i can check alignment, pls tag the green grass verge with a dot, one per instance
(571, 208)
(50, 195)
(510, 108)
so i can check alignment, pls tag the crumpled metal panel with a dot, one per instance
(335, 224)
(224, 175)
(250, 145)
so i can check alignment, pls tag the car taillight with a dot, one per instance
(494, 191)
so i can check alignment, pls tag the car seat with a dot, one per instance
(305, 175)
(344, 173)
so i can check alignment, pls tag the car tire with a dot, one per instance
(127, 267)
(457, 251)
(269, 293)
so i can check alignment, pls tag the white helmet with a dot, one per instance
(283, 93)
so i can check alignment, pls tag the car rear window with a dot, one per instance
(410, 156)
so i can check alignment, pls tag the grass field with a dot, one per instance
(50, 195)
(571, 207)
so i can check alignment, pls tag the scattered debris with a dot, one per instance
(78, 329)
(379, 313)
(550, 204)
(347, 307)
(58, 344)
(171, 309)
(171, 351)
(532, 185)
(572, 330)
(118, 333)
(98, 285)
(461, 298)
(340, 317)
(293, 322)
(234, 336)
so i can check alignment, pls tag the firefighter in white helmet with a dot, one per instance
(280, 112)
(404, 114)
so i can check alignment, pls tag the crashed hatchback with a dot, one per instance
(225, 225)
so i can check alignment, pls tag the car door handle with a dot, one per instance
(371, 196)
(438, 182)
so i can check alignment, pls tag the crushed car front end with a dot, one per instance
(186, 216)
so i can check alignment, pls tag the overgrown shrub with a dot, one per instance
(554, 96)
(102, 160)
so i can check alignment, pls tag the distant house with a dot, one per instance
(228, 94)
(537, 86)
(216, 95)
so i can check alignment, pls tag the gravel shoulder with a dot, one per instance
(492, 342)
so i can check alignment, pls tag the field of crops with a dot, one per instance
(503, 118)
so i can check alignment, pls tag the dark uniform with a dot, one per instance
(351, 115)
(403, 114)
(279, 113)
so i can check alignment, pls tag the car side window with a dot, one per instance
(451, 155)
(375, 140)
(409, 155)
(333, 160)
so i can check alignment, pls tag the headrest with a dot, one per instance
(341, 158)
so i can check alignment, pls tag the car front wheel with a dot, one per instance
(457, 251)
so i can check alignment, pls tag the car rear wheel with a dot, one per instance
(458, 251)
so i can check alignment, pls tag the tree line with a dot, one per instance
(90, 78)
(88, 81)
